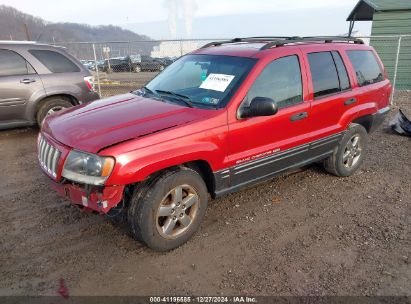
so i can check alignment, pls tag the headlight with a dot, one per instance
(87, 168)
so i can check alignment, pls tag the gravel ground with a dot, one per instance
(120, 83)
(303, 233)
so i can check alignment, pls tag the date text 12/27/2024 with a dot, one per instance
(203, 299)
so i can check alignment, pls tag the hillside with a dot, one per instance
(12, 27)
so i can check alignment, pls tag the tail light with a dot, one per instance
(89, 82)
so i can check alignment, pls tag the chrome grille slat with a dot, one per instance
(42, 151)
(48, 156)
(50, 161)
(56, 157)
(43, 158)
(46, 152)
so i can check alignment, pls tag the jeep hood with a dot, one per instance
(102, 123)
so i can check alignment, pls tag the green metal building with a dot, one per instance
(389, 17)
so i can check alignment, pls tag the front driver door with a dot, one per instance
(261, 146)
(18, 82)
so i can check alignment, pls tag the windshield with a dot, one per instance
(202, 80)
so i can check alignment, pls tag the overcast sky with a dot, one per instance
(124, 11)
(130, 12)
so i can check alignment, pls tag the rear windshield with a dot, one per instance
(55, 62)
(366, 67)
(207, 80)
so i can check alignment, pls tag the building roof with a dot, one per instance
(364, 10)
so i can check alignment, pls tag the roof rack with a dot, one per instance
(17, 42)
(271, 41)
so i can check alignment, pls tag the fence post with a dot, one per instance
(98, 75)
(181, 48)
(395, 71)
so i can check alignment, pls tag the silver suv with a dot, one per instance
(37, 80)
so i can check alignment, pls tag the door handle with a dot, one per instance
(350, 101)
(26, 80)
(299, 116)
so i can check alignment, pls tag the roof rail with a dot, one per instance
(272, 41)
(17, 42)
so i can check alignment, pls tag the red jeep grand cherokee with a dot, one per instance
(223, 117)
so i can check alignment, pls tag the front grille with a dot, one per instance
(48, 157)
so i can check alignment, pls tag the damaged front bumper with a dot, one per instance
(91, 198)
(401, 124)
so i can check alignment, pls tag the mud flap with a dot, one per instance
(401, 124)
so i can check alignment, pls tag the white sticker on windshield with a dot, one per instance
(217, 82)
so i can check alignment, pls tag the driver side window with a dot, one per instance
(280, 81)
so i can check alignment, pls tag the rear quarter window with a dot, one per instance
(342, 71)
(54, 61)
(367, 69)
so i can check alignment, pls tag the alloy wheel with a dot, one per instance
(352, 151)
(54, 110)
(177, 211)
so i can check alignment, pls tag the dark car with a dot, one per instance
(134, 63)
(148, 63)
(218, 119)
(119, 64)
(37, 80)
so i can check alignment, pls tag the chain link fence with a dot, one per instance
(119, 67)
(395, 53)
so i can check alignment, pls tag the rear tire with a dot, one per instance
(350, 153)
(137, 69)
(51, 106)
(166, 211)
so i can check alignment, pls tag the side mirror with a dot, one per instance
(259, 106)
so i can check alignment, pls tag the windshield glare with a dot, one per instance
(207, 80)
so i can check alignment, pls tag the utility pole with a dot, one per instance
(28, 37)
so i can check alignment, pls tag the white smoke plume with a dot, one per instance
(187, 9)
(172, 18)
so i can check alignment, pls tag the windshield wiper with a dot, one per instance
(183, 98)
(148, 90)
(143, 91)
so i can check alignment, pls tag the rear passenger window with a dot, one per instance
(342, 71)
(366, 67)
(324, 74)
(12, 64)
(280, 81)
(55, 62)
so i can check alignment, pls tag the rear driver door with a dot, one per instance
(332, 99)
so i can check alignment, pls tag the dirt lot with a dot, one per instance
(118, 83)
(303, 233)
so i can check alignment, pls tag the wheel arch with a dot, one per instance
(73, 100)
(202, 167)
(366, 121)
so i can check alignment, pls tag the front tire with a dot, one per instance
(166, 211)
(350, 153)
